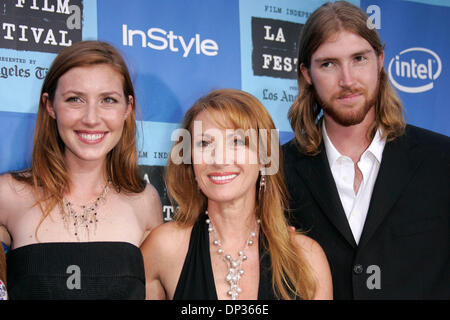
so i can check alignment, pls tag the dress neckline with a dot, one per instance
(70, 243)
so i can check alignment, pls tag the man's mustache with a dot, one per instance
(349, 92)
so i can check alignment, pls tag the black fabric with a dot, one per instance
(108, 270)
(196, 281)
(407, 230)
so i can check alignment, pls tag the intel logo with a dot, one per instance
(414, 70)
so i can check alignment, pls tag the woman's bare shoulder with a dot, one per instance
(11, 191)
(147, 207)
(318, 262)
(166, 238)
(310, 248)
(150, 193)
(10, 186)
(7, 182)
(306, 243)
(151, 206)
(148, 196)
(164, 252)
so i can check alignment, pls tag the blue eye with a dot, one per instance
(202, 143)
(326, 65)
(110, 100)
(239, 142)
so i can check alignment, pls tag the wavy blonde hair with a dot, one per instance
(291, 274)
(48, 174)
(326, 21)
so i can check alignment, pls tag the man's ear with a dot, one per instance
(305, 73)
(380, 61)
(48, 105)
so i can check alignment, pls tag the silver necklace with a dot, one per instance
(235, 270)
(82, 221)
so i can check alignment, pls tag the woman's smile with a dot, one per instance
(91, 137)
(222, 177)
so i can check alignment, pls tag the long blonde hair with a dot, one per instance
(291, 274)
(326, 21)
(48, 175)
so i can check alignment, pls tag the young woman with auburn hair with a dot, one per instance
(82, 209)
(230, 238)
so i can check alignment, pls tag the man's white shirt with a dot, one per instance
(342, 168)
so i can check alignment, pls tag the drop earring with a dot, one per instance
(262, 183)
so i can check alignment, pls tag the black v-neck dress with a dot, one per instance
(196, 280)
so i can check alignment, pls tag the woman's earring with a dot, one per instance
(262, 183)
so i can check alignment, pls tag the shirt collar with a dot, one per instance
(332, 153)
(376, 147)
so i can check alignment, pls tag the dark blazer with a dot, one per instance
(406, 233)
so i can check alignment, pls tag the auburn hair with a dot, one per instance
(291, 276)
(48, 174)
(303, 115)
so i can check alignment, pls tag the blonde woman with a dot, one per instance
(78, 216)
(230, 239)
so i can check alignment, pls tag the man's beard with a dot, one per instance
(345, 117)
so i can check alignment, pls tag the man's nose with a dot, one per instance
(347, 77)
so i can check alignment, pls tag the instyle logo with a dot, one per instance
(415, 70)
(160, 39)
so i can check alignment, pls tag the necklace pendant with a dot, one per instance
(235, 271)
(234, 291)
(80, 222)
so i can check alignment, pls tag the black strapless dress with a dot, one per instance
(196, 280)
(72, 270)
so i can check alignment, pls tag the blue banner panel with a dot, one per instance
(177, 50)
(16, 148)
(417, 58)
(154, 142)
(433, 2)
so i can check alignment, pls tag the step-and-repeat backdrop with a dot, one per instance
(179, 50)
